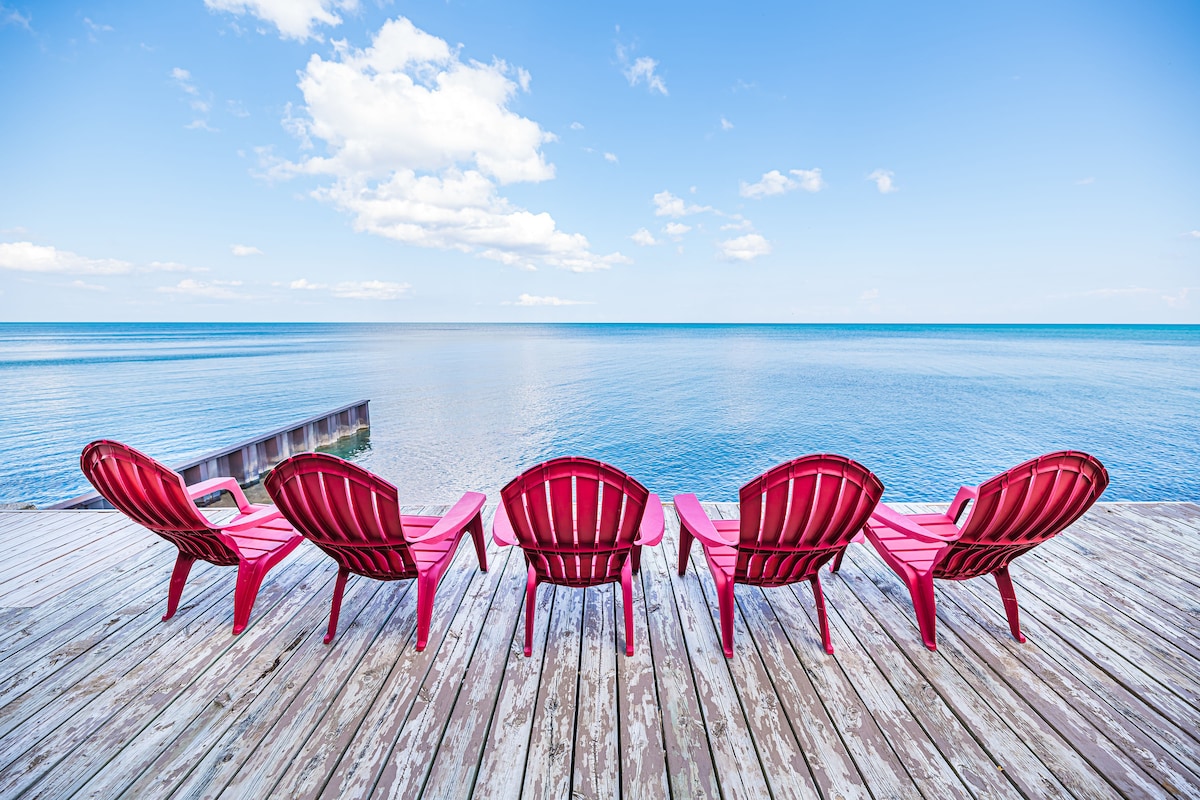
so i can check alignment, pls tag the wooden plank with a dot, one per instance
(136, 688)
(956, 638)
(66, 575)
(1164, 750)
(467, 715)
(642, 754)
(347, 751)
(501, 769)
(951, 675)
(690, 770)
(730, 741)
(548, 759)
(596, 757)
(200, 757)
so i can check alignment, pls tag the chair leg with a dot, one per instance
(627, 601)
(637, 558)
(727, 608)
(822, 616)
(338, 588)
(249, 579)
(920, 586)
(183, 565)
(1004, 582)
(837, 560)
(685, 548)
(531, 583)
(426, 589)
(475, 526)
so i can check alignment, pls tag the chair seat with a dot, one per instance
(917, 555)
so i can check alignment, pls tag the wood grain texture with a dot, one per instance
(100, 698)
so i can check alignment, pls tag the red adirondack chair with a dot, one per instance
(794, 518)
(1009, 515)
(354, 516)
(155, 497)
(580, 522)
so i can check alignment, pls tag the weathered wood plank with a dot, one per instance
(596, 757)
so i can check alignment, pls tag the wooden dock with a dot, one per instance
(99, 698)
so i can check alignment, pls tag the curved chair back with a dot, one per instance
(796, 516)
(576, 519)
(153, 496)
(1022, 508)
(350, 513)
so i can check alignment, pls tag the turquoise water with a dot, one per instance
(681, 407)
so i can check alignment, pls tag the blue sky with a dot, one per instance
(467, 161)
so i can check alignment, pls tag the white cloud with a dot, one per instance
(30, 257)
(610, 158)
(643, 70)
(245, 250)
(534, 300)
(726, 125)
(1193, 234)
(883, 180)
(1178, 300)
(668, 205)
(356, 290)
(212, 290)
(418, 141)
(675, 230)
(96, 28)
(199, 104)
(738, 224)
(10, 16)
(1085, 181)
(644, 237)
(91, 287)
(775, 182)
(576, 126)
(869, 294)
(744, 248)
(1127, 291)
(295, 19)
(170, 266)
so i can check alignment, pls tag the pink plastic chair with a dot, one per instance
(794, 518)
(354, 516)
(1010, 514)
(580, 522)
(155, 497)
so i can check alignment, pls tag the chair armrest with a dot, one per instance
(885, 517)
(502, 529)
(692, 517)
(214, 485)
(965, 495)
(651, 532)
(455, 519)
(253, 520)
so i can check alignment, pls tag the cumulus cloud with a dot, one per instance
(726, 125)
(668, 205)
(245, 250)
(576, 126)
(418, 142)
(744, 248)
(676, 230)
(30, 257)
(91, 287)
(212, 290)
(200, 104)
(775, 182)
(534, 300)
(1193, 234)
(295, 19)
(644, 237)
(883, 180)
(610, 158)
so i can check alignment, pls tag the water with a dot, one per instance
(681, 407)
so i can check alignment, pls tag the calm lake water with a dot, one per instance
(681, 407)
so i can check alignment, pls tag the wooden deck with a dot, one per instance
(102, 699)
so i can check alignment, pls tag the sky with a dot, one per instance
(466, 161)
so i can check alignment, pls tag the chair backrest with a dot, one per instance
(798, 515)
(350, 513)
(1022, 508)
(576, 519)
(153, 496)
